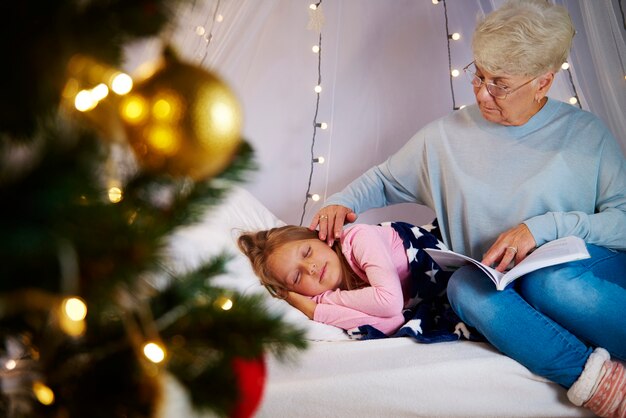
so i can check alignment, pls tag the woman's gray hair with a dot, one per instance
(523, 37)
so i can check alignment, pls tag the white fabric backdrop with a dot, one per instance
(384, 74)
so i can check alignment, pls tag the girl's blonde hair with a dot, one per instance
(258, 246)
(523, 37)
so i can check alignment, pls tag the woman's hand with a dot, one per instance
(511, 245)
(302, 303)
(331, 220)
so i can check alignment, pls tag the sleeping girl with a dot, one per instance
(371, 276)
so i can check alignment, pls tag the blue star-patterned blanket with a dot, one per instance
(429, 317)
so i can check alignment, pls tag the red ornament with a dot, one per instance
(250, 382)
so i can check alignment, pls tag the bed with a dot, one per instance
(340, 377)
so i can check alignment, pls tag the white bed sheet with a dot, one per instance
(339, 377)
(397, 377)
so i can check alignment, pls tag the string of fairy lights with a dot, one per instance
(450, 37)
(206, 31)
(83, 96)
(455, 72)
(315, 23)
(619, 56)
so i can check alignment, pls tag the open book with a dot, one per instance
(554, 252)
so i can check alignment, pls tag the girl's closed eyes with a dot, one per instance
(305, 253)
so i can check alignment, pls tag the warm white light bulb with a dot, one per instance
(121, 84)
(314, 197)
(154, 352)
(315, 48)
(565, 65)
(455, 36)
(435, 1)
(313, 6)
(200, 31)
(573, 100)
(319, 160)
(455, 73)
(75, 309)
(115, 194)
(318, 89)
(43, 393)
(100, 92)
(84, 101)
(73, 312)
(226, 304)
(219, 18)
(10, 364)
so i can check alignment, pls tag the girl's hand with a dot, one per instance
(331, 220)
(511, 245)
(302, 303)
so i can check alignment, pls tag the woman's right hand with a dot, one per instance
(512, 245)
(331, 220)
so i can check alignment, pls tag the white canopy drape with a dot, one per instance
(385, 73)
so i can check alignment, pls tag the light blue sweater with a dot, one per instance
(562, 173)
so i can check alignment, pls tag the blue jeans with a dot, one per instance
(551, 319)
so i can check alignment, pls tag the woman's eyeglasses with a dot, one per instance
(498, 92)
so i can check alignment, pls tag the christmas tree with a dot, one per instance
(95, 173)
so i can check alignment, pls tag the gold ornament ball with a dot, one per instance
(182, 120)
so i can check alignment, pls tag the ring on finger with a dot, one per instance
(323, 216)
(514, 249)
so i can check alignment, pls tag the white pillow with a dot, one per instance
(217, 232)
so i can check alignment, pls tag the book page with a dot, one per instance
(450, 261)
(551, 253)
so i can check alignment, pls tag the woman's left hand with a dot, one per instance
(511, 245)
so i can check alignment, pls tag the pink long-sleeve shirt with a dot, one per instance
(377, 255)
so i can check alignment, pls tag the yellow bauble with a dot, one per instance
(182, 120)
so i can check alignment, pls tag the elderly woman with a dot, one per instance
(506, 175)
